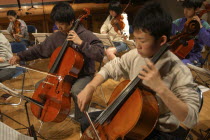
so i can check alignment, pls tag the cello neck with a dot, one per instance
(127, 91)
(64, 47)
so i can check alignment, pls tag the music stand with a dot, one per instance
(105, 39)
(131, 44)
(8, 36)
(40, 37)
(11, 134)
(30, 127)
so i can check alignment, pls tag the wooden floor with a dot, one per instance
(69, 129)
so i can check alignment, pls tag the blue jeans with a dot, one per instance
(120, 46)
(17, 47)
(25, 42)
(6, 74)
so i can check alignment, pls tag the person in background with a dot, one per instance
(115, 10)
(201, 39)
(206, 6)
(205, 16)
(22, 36)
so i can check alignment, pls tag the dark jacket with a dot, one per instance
(91, 49)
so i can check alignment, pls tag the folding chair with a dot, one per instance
(31, 29)
(18, 47)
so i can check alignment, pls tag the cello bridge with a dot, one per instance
(48, 83)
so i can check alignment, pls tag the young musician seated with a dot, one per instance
(83, 41)
(169, 78)
(115, 10)
(201, 39)
(6, 70)
(18, 28)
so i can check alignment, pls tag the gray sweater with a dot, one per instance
(91, 49)
(5, 52)
(176, 76)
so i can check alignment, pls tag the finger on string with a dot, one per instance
(150, 65)
(143, 73)
(146, 68)
(141, 76)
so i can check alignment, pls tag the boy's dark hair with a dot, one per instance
(62, 12)
(192, 4)
(11, 13)
(153, 19)
(115, 6)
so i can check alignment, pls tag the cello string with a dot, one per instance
(126, 91)
(115, 104)
(92, 125)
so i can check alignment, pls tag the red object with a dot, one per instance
(134, 120)
(16, 29)
(185, 39)
(117, 23)
(54, 92)
(132, 111)
(200, 13)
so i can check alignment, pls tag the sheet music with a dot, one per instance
(8, 133)
(202, 70)
(131, 44)
(8, 36)
(40, 37)
(105, 39)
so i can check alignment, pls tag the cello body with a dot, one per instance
(183, 50)
(134, 120)
(54, 92)
(132, 112)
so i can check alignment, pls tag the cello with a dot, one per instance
(132, 113)
(184, 49)
(54, 92)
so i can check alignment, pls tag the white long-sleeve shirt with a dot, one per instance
(175, 75)
(23, 29)
(107, 27)
(5, 52)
